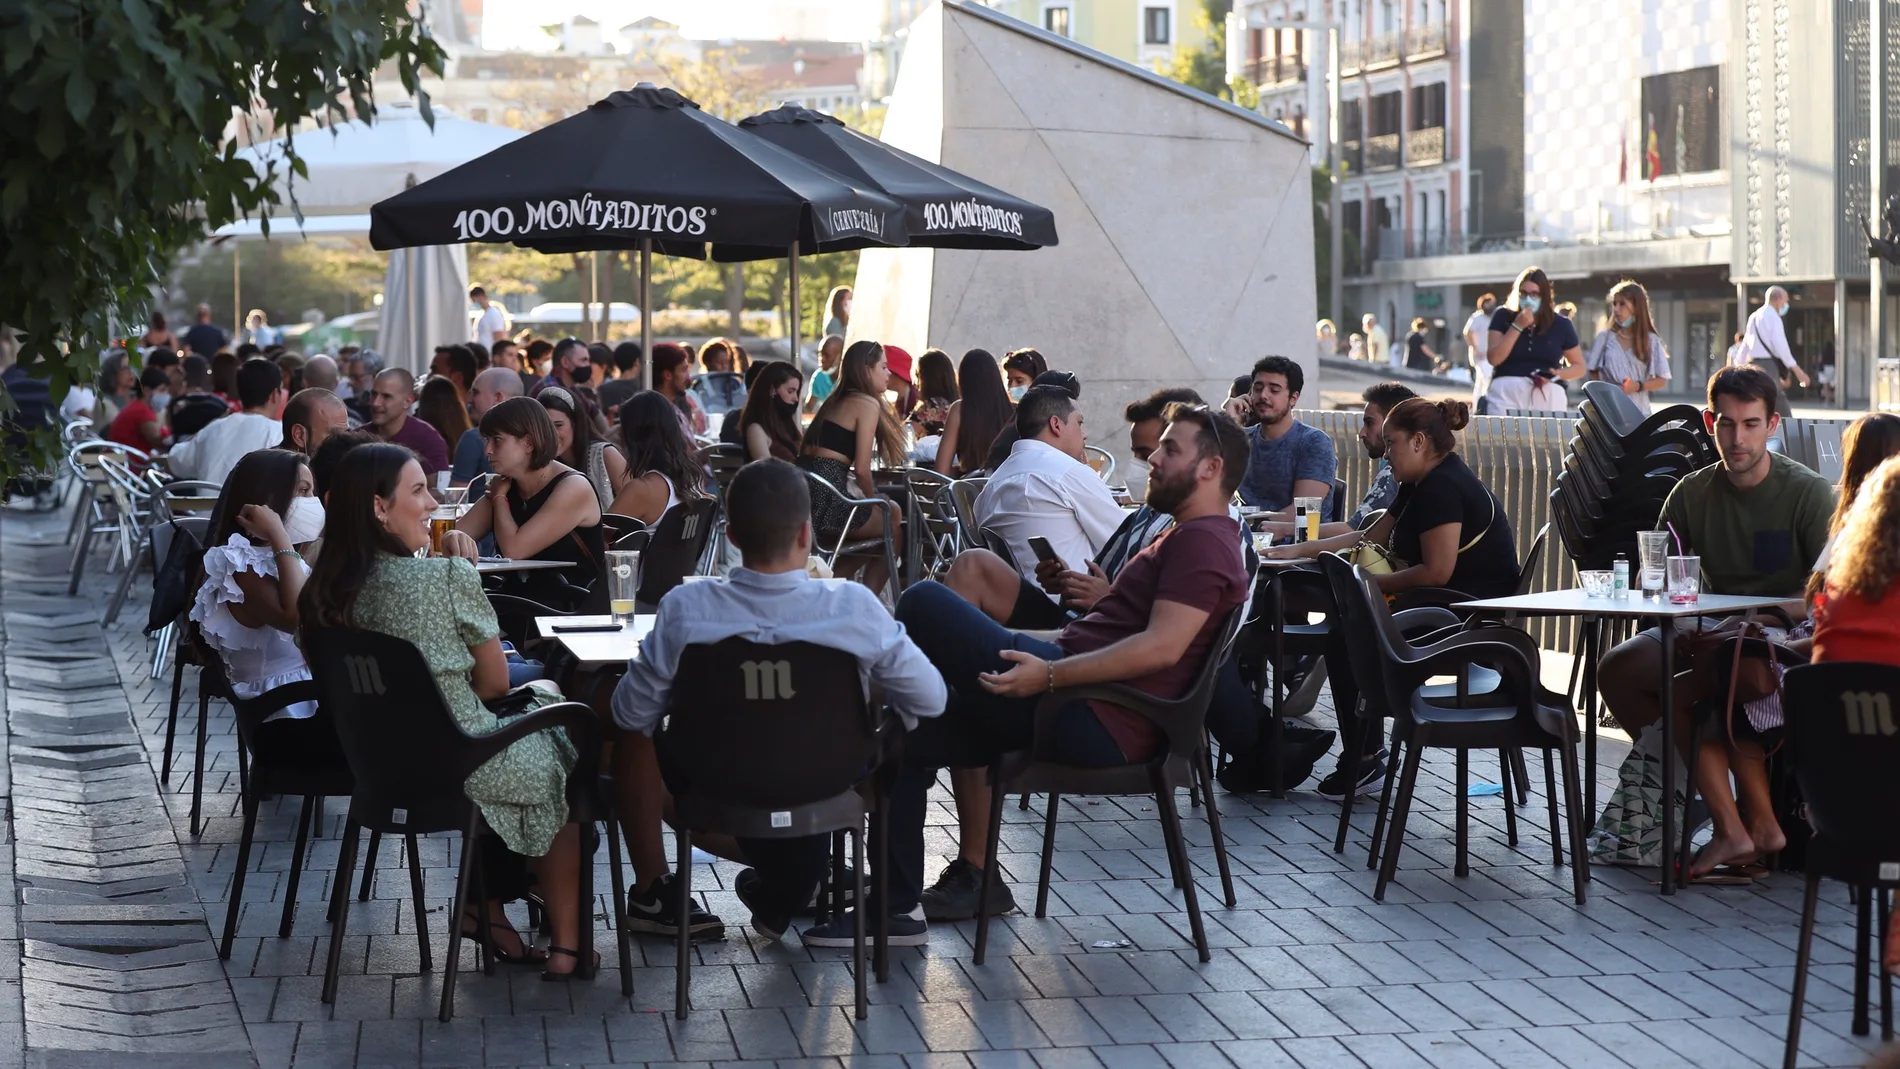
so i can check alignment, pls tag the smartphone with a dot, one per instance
(571, 629)
(1043, 550)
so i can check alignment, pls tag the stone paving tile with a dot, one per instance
(1499, 968)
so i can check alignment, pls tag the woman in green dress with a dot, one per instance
(369, 578)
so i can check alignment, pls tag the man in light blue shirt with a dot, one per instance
(768, 599)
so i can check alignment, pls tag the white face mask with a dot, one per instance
(160, 400)
(303, 521)
(1016, 392)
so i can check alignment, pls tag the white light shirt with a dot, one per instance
(773, 609)
(1765, 339)
(214, 451)
(258, 659)
(1040, 490)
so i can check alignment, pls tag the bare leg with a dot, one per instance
(557, 873)
(986, 581)
(641, 799)
(1758, 806)
(973, 812)
(1731, 842)
(1630, 679)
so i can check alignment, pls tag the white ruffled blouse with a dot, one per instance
(259, 659)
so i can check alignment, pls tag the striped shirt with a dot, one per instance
(1610, 361)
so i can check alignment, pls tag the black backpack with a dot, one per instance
(173, 586)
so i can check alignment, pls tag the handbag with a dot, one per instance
(1379, 560)
(173, 586)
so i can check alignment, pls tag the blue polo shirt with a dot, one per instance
(1301, 453)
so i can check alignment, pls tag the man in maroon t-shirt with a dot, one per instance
(1154, 630)
(394, 392)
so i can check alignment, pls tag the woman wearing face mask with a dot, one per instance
(246, 606)
(980, 412)
(853, 427)
(1530, 347)
(369, 577)
(137, 423)
(768, 425)
(1022, 367)
(1630, 353)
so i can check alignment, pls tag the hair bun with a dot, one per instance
(1457, 414)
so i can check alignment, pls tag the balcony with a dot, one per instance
(1425, 40)
(1352, 156)
(1352, 54)
(1424, 147)
(1382, 152)
(1269, 71)
(1384, 49)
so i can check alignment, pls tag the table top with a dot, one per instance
(595, 648)
(1574, 602)
(492, 567)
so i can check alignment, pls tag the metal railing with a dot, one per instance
(1518, 458)
(1385, 48)
(1382, 152)
(1425, 40)
(1425, 146)
(1275, 70)
(1352, 54)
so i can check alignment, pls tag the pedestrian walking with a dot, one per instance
(1474, 333)
(1765, 345)
(1630, 353)
(1530, 347)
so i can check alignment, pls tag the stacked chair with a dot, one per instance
(1619, 468)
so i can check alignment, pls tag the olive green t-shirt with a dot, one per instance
(1761, 542)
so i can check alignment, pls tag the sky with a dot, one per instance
(515, 23)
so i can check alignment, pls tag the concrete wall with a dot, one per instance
(1186, 225)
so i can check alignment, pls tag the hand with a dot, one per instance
(1285, 551)
(1049, 575)
(498, 488)
(1029, 676)
(459, 544)
(260, 522)
(1238, 407)
(1802, 377)
(1524, 319)
(1080, 591)
(1631, 386)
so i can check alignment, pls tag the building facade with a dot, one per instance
(1143, 32)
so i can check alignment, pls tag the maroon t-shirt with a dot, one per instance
(426, 443)
(1197, 564)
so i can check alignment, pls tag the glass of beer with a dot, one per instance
(623, 583)
(441, 522)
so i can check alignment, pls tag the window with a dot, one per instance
(1385, 113)
(1428, 106)
(1157, 26)
(1056, 20)
(1351, 120)
(1680, 127)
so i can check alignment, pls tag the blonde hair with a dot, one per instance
(1867, 553)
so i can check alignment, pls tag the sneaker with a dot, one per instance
(655, 911)
(770, 923)
(1367, 779)
(821, 898)
(1302, 749)
(905, 931)
(953, 896)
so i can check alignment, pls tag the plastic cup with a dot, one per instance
(623, 583)
(1652, 554)
(1685, 579)
(1596, 583)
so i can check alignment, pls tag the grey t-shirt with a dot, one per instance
(1303, 452)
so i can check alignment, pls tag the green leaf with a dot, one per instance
(80, 95)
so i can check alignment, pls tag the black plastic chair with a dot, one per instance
(1267, 642)
(410, 759)
(998, 545)
(618, 532)
(1183, 761)
(1844, 742)
(195, 529)
(1336, 503)
(1522, 714)
(811, 764)
(674, 548)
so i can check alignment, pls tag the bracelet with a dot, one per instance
(1052, 677)
(286, 553)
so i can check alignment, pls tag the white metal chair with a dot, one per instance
(1101, 460)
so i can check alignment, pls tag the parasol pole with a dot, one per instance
(237, 305)
(795, 308)
(409, 343)
(646, 313)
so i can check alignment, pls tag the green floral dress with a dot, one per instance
(436, 604)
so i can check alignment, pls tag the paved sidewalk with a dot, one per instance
(1498, 968)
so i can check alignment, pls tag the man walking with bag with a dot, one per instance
(1765, 345)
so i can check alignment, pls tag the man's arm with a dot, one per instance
(1170, 631)
(641, 697)
(912, 685)
(1774, 338)
(182, 459)
(1318, 463)
(1095, 509)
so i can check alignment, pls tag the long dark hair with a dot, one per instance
(854, 378)
(986, 409)
(1025, 361)
(441, 405)
(557, 399)
(763, 408)
(352, 537)
(936, 377)
(652, 438)
(1546, 314)
(1641, 325)
(266, 477)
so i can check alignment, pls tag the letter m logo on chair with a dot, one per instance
(767, 680)
(1868, 713)
(366, 677)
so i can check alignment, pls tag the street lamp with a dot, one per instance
(1257, 20)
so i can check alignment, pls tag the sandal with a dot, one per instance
(575, 973)
(528, 956)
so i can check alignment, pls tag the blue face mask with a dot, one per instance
(1782, 310)
(1624, 323)
(1530, 304)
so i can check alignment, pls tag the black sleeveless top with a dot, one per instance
(577, 589)
(833, 436)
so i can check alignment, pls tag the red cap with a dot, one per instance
(898, 361)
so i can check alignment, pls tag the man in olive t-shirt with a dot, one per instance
(1757, 519)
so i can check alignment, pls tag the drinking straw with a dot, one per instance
(1674, 535)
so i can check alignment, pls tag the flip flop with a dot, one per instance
(1719, 878)
(1752, 870)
